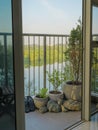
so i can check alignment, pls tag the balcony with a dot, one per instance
(42, 52)
(45, 53)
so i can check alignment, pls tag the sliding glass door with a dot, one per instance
(11, 62)
(94, 59)
(7, 93)
(11, 66)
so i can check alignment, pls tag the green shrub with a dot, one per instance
(43, 93)
(56, 78)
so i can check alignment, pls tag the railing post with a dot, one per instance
(44, 62)
(29, 87)
(5, 58)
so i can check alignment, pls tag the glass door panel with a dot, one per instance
(7, 101)
(46, 36)
(94, 59)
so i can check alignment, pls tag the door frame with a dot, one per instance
(18, 63)
(87, 40)
(18, 58)
(86, 59)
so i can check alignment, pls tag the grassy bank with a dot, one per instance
(34, 55)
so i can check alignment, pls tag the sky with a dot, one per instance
(95, 20)
(5, 16)
(46, 16)
(50, 16)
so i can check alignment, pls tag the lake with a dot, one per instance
(34, 77)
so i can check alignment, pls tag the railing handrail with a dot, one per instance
(41, 34)
(3, 33)
(37, 34)
(95, 34)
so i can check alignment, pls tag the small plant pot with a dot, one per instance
(56, 95)
(40, 102)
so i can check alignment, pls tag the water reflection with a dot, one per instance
(31, 81)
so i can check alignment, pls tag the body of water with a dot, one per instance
(34, 77)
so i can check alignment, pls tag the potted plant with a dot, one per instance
(56, 78)
(41, 99)
(73, 60)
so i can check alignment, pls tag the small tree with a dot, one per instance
(56, 78)
(73, 55)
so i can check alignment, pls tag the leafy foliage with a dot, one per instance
(35, 56)
(56, 78)
(73, 55)
(43, 93)
(8, 65)
(94, 70)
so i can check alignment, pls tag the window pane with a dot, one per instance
(7, 102)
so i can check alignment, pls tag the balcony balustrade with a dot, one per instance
(42, 52)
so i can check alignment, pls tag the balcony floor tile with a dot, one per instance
(51, 121)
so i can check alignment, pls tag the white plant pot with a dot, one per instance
(56, 96)
(40, 102)
(72, 91)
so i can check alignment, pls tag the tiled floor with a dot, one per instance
(92, 125)
(51, 121)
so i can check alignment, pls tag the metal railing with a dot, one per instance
(42, 52)
(6, 60)
(94, 69)
(94, 64)
(45, 53)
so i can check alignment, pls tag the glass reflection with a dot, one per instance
(94, 60)
(7, 102)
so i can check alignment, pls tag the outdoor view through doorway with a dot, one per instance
(52, 40)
